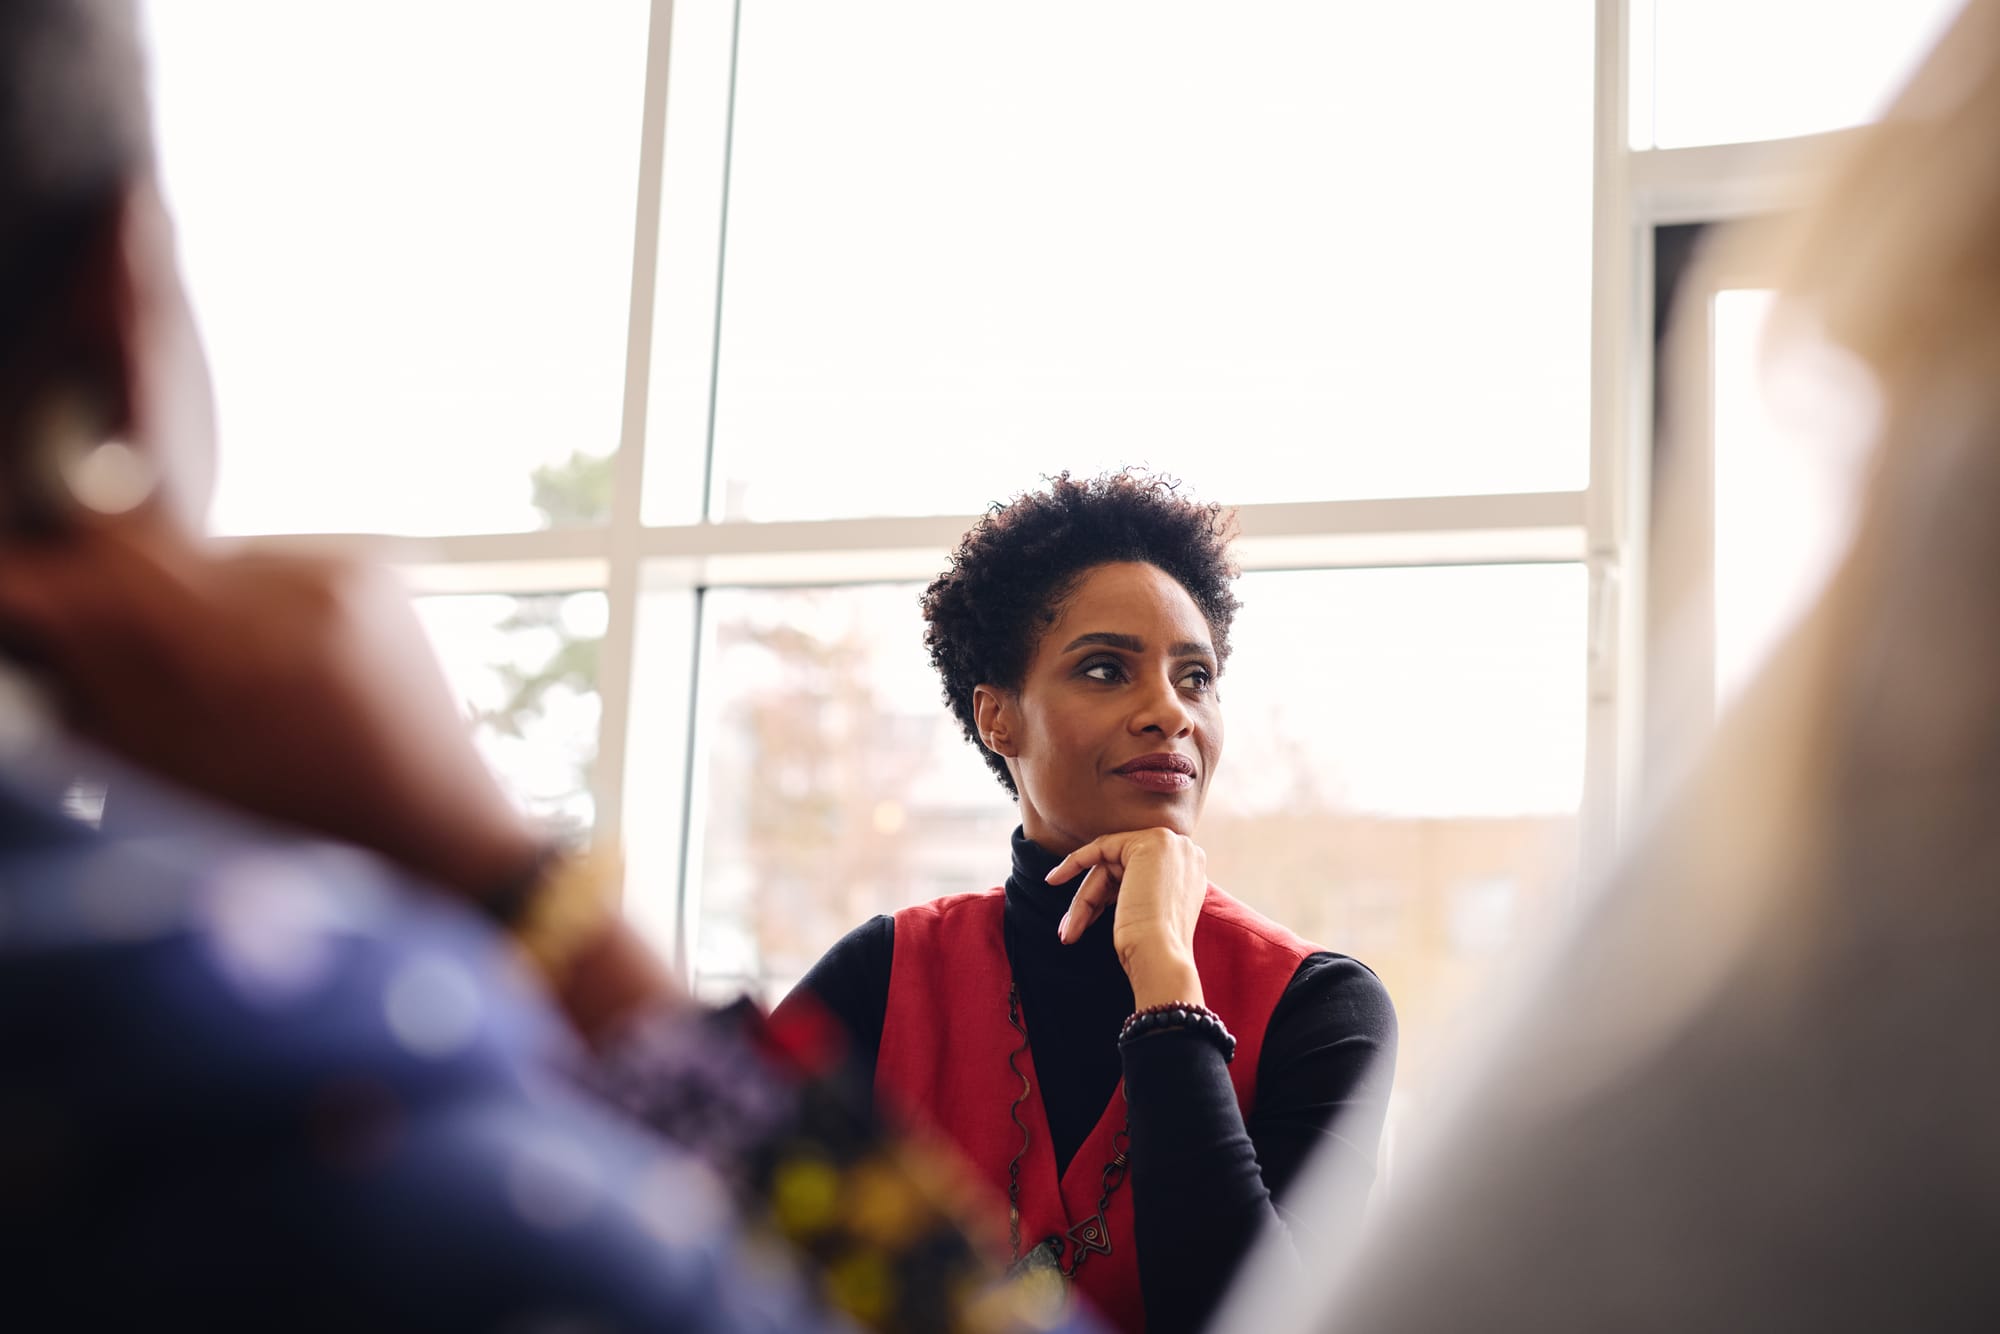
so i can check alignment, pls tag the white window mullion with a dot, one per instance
(622, 585)
(1614, 509)
(1724, 182)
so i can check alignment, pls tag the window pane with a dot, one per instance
(1729, 71)
(407, 229)
(1404, 767)
(1404, 771)
(525, 669)
(658, 733)
(967, 246)
(1788, 439)
(835, 783)
(694, 164)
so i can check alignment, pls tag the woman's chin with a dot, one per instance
(1179, 811)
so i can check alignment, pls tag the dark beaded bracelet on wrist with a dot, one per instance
(506, 903)
(1181, 1017)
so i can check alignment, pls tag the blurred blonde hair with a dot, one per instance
(1867, 752)
(1898, 263)
(1899, 260)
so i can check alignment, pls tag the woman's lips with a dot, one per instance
(1158, 780)
(1159, 773)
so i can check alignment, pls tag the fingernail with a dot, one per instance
(1050, 878)
(1062, 928)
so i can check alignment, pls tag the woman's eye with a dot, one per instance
(1104, 670)
(1197, 678)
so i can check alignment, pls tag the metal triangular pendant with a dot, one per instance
(1093, 1235)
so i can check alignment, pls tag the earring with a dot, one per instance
(85, 470)
(110, 478)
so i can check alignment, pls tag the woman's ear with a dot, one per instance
(137, 353)
(115, 406)
(993, 714)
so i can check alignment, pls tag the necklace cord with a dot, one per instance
(1014, 1114)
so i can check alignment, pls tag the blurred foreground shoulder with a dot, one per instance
(247, 1082)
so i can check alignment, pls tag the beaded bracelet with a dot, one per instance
(1180, 1016)
(556, 905)
(507, 902)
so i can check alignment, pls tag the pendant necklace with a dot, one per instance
(1093, 1235)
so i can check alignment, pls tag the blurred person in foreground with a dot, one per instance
(1757, 1090)
(250, 1080)
(1108, 1007)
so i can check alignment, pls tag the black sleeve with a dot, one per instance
(1329, 1059)
(1205, 1185)
(851, 982)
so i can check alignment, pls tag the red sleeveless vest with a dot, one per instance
(943, 1062)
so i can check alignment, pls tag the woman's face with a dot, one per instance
(1116, 725)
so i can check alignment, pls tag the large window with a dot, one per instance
(670, 346)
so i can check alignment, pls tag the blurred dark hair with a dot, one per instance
(1010, 575)
(74, 129)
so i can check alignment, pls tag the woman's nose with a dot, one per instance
(1161, 709)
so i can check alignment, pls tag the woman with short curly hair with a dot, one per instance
(1135, 1061)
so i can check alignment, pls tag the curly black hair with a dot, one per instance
(1011, 574)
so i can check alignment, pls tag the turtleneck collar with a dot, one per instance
(1035, 908)
(1073, 998)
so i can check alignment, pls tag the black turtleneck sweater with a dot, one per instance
(1203, 1181)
